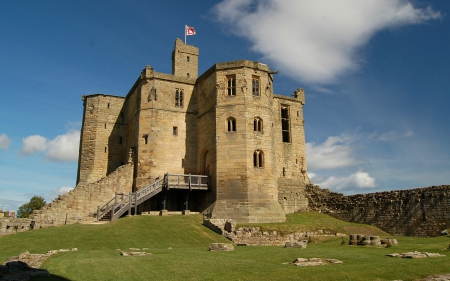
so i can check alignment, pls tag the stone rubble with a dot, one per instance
(296, 244)
(126, 254)
(314, 261)
(415, 255)
(26, 266)
(367, 240)
(221, 247)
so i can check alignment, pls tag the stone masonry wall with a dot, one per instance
(414, 212)
(11, 225)
(254, 236)
(80, 204)
(102, 143)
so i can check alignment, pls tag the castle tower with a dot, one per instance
(102, 140)
(238, 141)
(184, 60)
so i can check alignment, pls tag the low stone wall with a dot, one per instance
(80, 204)
(414, 212)
(13, 225)
(254, 236)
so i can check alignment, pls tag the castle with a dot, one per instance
(226, 123)
(229, 126)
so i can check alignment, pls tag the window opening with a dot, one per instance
(258, 159)
(188, 75)
(108, 104)
(105, 149)
(231, 85)
(188, 58)
(285, 124)
(182, 163)
(177, 98)
(257, 124)
(145, 138)
(231, 124)
(284, 171)
(255, 86)
(105, 125)
(175, 131)
(181, 98)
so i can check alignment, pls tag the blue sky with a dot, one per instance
(375, 74)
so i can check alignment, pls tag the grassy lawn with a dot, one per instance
(179, 247)
(313, 221)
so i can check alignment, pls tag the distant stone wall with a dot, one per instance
(80, 204)
(11, 225)
(414, 212)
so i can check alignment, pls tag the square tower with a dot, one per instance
(184, 60)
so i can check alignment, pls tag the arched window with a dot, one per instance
(255, 86)
(231, 85)
(258, 159)
(231, 124)
(257, 124)
(188, 59)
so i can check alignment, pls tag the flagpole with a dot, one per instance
(185, 28)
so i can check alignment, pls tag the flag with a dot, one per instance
(190, 30)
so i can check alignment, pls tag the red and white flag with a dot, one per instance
(190, 30)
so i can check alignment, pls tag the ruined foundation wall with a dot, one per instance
(414, 212)
(80, 204)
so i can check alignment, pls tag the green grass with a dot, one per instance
(189, 258)
(313, 221)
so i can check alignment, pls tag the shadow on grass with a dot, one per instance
(52, 277)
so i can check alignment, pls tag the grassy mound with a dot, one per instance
(179, 247)
(313, 221)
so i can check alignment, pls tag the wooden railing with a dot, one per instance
(189, 181)
(121, 202)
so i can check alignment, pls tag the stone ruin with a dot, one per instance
(221, 247)
(26, 266)
(415, 255)
(254, 236)
(366, 240)
(314, 261)
(422, 212)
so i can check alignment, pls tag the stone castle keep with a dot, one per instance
(226, 123)
(225, 127)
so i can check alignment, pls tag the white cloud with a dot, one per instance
(357, 181)
(63, 190)
(335, 152)
(64, 147)
(33, 144)
(4, 141)
(315, 41)
(391, 136)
